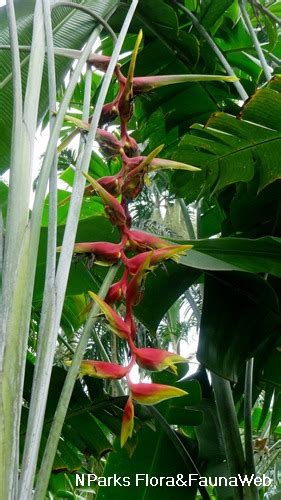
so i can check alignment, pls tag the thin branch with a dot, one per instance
(91, 13)
(36, 413)
(200, 28)
(64, 342)
(254, 38)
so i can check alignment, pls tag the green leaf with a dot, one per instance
(230, 150)
(212, 13)
(240, 317)
(230, 254)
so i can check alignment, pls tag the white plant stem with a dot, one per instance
(15, 319)
(30, 454)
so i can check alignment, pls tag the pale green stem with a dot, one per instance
(230, 430)
(204, 33)
(91, 13)
(16, 317)
(31, 447)
(17, 215)
(59, 417)
(187, 220)
(254, 38)
(248, 431)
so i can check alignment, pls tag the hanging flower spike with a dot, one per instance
(127, 422)
(151, 394)
(104, 253)
(100, 369)
(125, 101)
(113, 208)
(116, 323)
(158, 256)
(140, 241)
(146, 83)
(117, 291)
(157, 359)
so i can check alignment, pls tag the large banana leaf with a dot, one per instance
(231, 149)
(240, 318)
(71, 29)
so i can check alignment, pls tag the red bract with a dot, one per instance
(112, 184)
(127, 422)
(113, 208)
(125, 100)
(151, 394)
(105, 253)
(135, 287)
(117, 291)
(157, 359)
(116, 323)
(140, 240)
(100, 369)
(109, 143)
(159, 255)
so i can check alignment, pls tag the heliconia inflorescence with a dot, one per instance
(116, 192)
